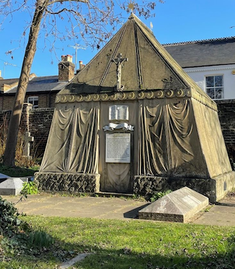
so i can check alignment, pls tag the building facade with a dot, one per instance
(41, 91)
(210, 63)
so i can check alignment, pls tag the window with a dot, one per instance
(215, 87)
(33, 100)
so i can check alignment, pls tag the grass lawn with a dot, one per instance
(133, 244)
(18, 171)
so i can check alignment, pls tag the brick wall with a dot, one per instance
(226, 112)
(7, 102)
(39, 126)
(45, 100)
(38, 123)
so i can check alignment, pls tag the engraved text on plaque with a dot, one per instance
(118, 148)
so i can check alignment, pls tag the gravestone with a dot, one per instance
(11, 186)
(182, 205)
(28, 139)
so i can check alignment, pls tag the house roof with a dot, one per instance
(8, 81)
(203, 53)
(37, 85)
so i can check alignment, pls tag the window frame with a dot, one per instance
(33, 97)
(215, 87)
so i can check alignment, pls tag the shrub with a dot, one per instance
(29, 188)
(40, 239)
(10, 223)
(158, 195)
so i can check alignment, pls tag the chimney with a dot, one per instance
(66, 68)
(81, 65)
(1, 74)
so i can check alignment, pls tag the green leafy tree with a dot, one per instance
(88, 19)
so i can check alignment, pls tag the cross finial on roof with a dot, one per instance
(131, 6)
(118, 61)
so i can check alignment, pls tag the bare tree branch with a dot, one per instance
(61, 1)
(93, 23)
(60, 11)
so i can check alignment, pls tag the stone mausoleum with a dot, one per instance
(132, 121)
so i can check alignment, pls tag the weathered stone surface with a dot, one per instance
(66, 182)
(11, 186)
(213, 188)
(221, 185)
(149, 185)
(179, 206)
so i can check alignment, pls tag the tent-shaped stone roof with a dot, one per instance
(149, 68)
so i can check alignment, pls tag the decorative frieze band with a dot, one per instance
(158, 94)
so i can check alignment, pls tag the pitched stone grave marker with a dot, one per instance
(11, 186)
(179, 206)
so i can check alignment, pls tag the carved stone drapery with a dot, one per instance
(72, 144)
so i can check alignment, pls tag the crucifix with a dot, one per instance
(119, 61)
(27, 139)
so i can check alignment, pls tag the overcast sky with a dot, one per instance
(174, 21)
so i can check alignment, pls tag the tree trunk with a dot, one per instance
(9, 155)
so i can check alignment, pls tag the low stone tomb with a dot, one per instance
(11, 186)
(181, 205)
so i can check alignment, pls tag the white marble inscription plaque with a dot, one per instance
(119, 112)
(118, 148)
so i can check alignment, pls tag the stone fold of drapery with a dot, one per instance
(165, 133)
(72, 143)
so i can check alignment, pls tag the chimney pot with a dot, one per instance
(81, 65)
(67, 58)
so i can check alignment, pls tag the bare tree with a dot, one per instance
(88, 19)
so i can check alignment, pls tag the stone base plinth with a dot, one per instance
(222, 184)
(213, 188)
(65, 182)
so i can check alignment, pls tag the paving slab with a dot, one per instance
(221, 214)
(84, 207)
